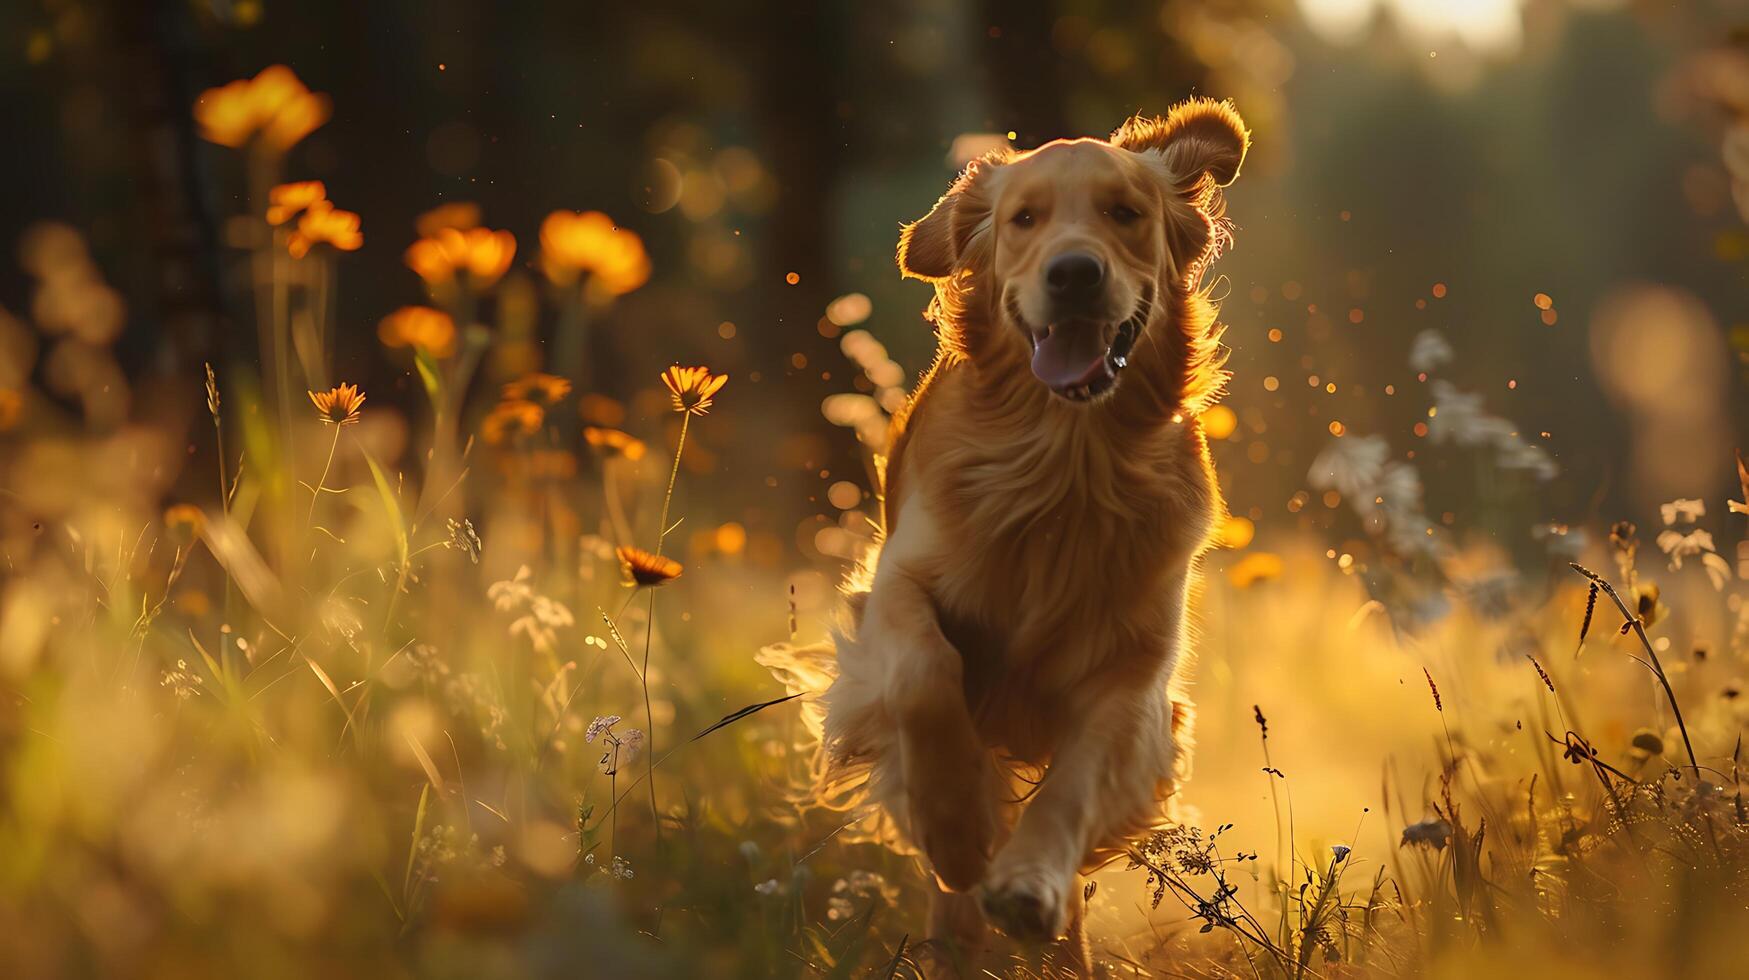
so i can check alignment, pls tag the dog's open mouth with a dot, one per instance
(1080, 359)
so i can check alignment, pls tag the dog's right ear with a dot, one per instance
(944, 241)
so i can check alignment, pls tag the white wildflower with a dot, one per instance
(1718, 570)
(1399, 487)
(1429, 350)
(513, 593)
(1682, 510)
(1514, 453)
(1351, 465)
(1458, 416)
(603, 724)
(1677, 546)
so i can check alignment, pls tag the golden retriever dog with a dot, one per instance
(1046, 497)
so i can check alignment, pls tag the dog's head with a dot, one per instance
(1080, 246)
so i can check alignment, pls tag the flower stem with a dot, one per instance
(662, 528)
(316, 494)
(650, 630)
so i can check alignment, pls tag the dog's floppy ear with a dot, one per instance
(942, 242)
(1197, 150)
(926, 247)
(1199, 136)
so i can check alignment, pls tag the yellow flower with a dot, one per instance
(614, 441)
(429, 330)
(460, 215)
(573, 243)
(227, 114)
(11, 407)
(273, 104)
(693, 388)
(297, 119)
(339, 405)
(483, 254)
(275, 90)
(323, 222)
(193, 603)
(511, 420)
(643, 568)
(1257, 567)
(185, 522)
(550, 388)
(285, 201)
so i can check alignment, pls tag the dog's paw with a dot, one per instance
(1026, 903)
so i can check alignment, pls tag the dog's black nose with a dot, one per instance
(1074, 277)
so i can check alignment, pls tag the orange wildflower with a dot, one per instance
(693, 388)
(643, 568)
(460, 215)
(185, 522)
(422, 327)
(512, 420)
(1260, 566)
(323, 222)
(550, 388)
(483, 254)
(573, 243)
(285, 201)
(227, 115)
(338, 405)
(614, 441)
(274, 105)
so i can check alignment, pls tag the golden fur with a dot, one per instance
(1027, 608)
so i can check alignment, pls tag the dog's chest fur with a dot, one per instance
(1060, 539)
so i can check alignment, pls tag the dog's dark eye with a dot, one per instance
(1124, 214)
(1022, 219)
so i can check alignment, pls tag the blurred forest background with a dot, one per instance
(1487, 316)
(1504, 149)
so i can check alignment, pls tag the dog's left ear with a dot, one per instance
(1198, 137)
(944, 241)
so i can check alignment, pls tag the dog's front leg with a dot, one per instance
(1104, 784)
(943, 764)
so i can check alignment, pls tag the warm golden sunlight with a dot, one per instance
(1027, 489)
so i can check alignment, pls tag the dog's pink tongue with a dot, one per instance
(1069, 356)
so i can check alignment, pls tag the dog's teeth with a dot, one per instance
(1121, 361)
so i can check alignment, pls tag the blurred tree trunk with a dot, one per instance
(153, 79)
(796, 102)
(1023, 71)
(797, 105)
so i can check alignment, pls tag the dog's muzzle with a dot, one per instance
(1080, 359)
